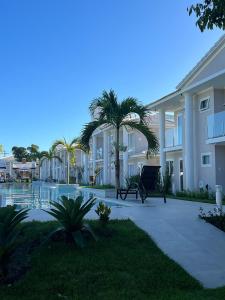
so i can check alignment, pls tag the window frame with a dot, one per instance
(202, 100)
(210, 159)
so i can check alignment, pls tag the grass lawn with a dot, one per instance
(127, 265)
(211, 201)
(99, 186)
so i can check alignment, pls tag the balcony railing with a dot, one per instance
(172, 138)
(216, 125)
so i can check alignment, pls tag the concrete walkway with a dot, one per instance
(175, 227)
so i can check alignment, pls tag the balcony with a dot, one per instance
(216, 128)
(173, 139)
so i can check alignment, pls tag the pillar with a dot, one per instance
(105, 157)
(94, 150)
(162, 140)
(188, 147)
(125, 155)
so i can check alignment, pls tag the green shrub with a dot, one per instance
(103, 211)
(201, 194)
(99, 187)
(133, 180)
(215, 217)
(62, 182)
(70, 214)
(10, 220)
(72, 180)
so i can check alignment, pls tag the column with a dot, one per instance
(162, 140)
(105, 158)
(125, 155)
(94, 150)
(86, 176)
(188, 147)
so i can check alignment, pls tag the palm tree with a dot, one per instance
(115, 113)
(71, 152)
(49, 155)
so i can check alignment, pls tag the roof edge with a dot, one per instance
(200, 64)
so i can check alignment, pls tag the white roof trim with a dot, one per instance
(163, 99)
(200, 64)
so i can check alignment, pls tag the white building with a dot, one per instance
(196, 146)
(58, 169)
(101, 157)
(11, 169)
(190, 125)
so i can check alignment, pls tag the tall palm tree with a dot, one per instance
(49, 155)
(71, 152)
(115, 113)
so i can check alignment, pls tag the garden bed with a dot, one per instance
(214, 217)
(123, 264)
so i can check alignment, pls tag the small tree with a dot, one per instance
(115, 113)
(49, 156)
(71, 152)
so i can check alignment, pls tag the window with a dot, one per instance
(131, 141)
(204, 104)
(179, 129)
(132, 170)
(169, 166)
(206, 159)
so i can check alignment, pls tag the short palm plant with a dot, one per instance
(10, 220)
(116, 114)
(70, 214)
(71, 152)
(49, 156)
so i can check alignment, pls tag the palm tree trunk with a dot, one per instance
(117, 160)
(68, 168)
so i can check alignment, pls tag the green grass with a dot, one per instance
(127, 265)
(99, 187)
(187, 198)
(211, 201)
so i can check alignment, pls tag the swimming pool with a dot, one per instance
(38, 195)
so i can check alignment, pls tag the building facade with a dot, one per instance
(10, 169)
(195, 147)
(190, 126)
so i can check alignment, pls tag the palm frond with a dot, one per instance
(75, 141)
(152, 140)
(57, 157)
(131, 105)
(88, 131)
(57, 143)
(70, 214)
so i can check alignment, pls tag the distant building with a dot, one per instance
(11, 169)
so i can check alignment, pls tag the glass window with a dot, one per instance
(132, 170)
(179, 129)
(204, 104)
(130, 141)
(169, 166)
(206, 160)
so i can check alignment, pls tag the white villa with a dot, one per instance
(190, 125)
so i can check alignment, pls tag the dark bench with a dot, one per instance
(124, 192)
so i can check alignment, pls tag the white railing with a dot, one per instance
(216, 125)
(172, 138)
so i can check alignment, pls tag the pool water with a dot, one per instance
(37, 195)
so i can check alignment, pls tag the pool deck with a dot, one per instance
(197, 246)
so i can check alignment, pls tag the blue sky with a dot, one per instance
(57, 55)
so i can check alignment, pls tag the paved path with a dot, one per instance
(175, 227)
